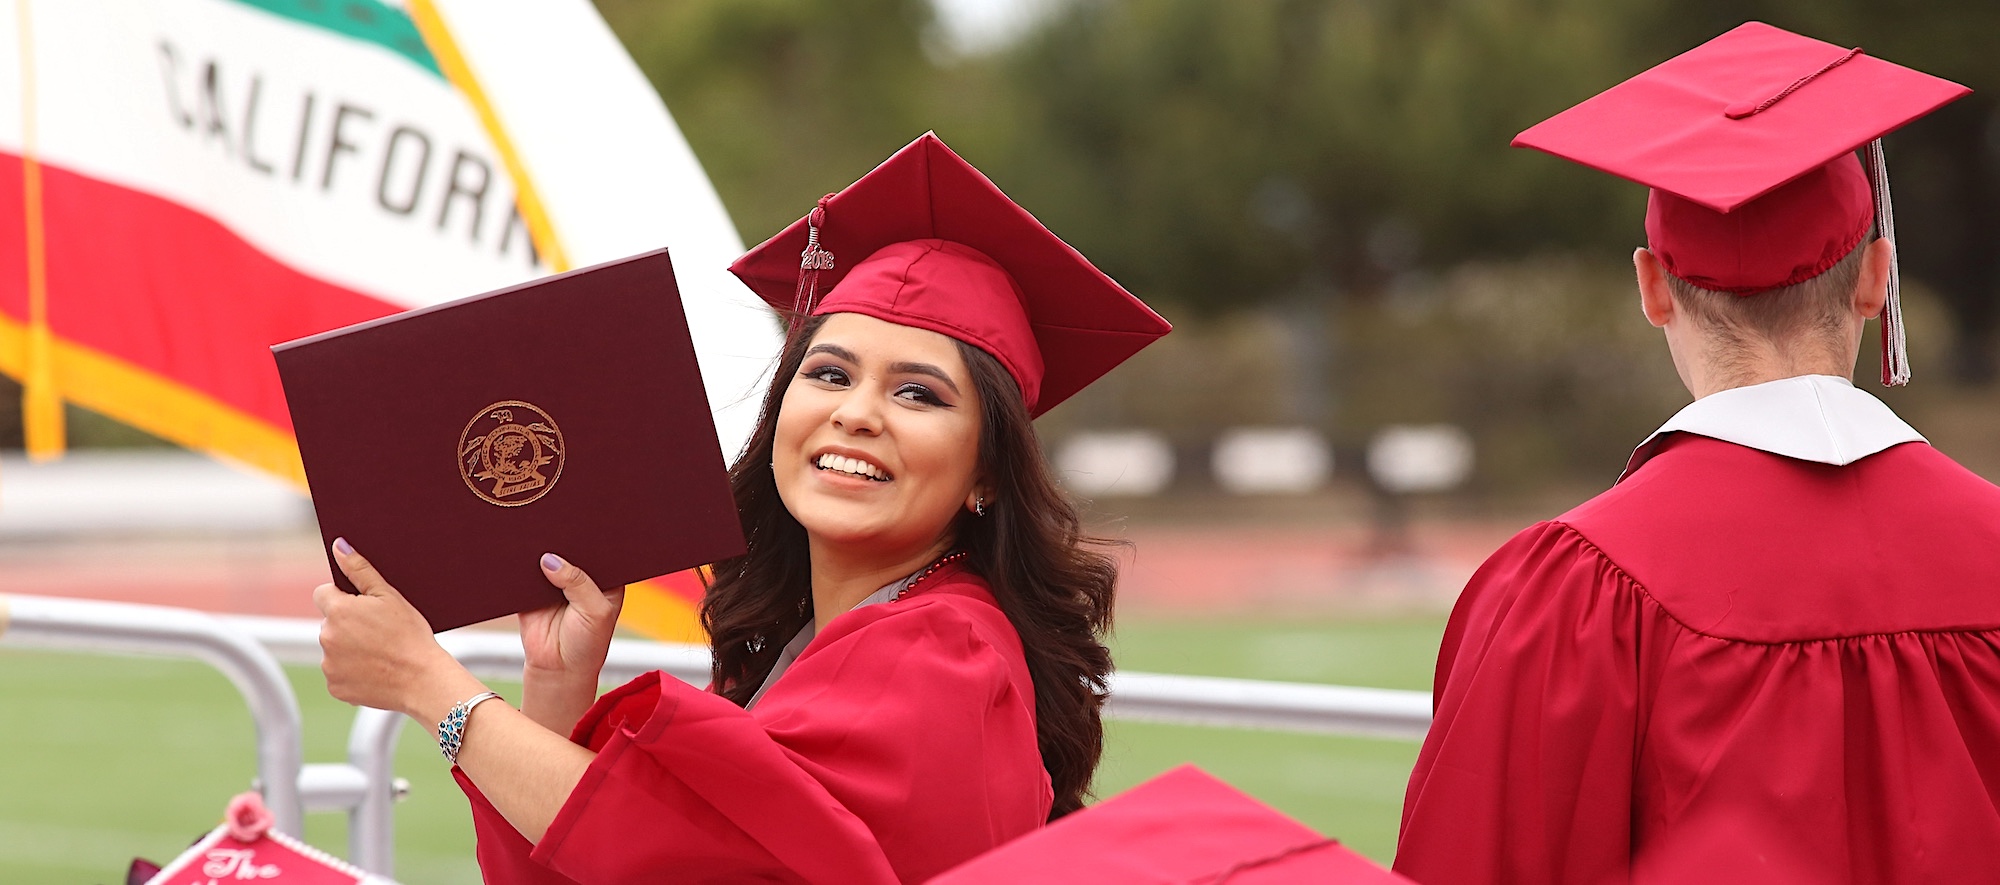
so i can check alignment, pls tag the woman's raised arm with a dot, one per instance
(379, 652)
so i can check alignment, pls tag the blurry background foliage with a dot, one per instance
(1320, 194)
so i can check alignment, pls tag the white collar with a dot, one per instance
(1820, 418)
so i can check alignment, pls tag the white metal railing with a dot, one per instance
(248, 650)
(1276, 706)
(1150, 697)
(85, 625)
(489, 654)
(366, 785)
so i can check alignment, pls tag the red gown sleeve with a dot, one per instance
(502, 851)
(901, 743)
(1526, 775)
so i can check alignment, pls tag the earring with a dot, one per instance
(979, 506)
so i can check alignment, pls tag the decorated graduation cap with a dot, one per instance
(1183, 826)
(1748, 142)
(925, 240)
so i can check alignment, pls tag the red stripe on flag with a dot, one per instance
(168, 289)
(686, 585)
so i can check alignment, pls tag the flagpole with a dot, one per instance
(41, 399)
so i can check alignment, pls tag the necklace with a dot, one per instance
(939, 563)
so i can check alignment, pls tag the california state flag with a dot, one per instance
(184, 183)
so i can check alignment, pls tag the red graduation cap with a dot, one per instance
(925, 240)
(1183, 826)
(1748, 142)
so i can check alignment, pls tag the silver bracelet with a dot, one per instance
(451, 731)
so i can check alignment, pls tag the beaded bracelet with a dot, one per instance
(451, 731)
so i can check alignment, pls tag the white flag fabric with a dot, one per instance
(205, 178)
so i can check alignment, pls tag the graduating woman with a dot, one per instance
(908, 667)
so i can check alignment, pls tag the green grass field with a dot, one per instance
(105, 758)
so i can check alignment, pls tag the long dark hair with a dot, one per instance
(1053, 583)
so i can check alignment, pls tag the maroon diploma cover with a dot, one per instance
(455, 444)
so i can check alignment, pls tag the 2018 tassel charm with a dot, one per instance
(813, 260)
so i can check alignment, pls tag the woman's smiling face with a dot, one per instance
(878, 436)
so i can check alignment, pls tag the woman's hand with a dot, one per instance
(378, 650)
(565, 645)
(572, 636)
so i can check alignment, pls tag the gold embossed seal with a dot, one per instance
(511, 453)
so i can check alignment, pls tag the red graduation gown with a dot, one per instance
(900, 743)
(1731, 667)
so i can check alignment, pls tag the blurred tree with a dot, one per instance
(1318, 158)
(784, 100)
(10, 414)
(1223, 154)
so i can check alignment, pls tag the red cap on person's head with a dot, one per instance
(1748, 142)
(925, 240)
